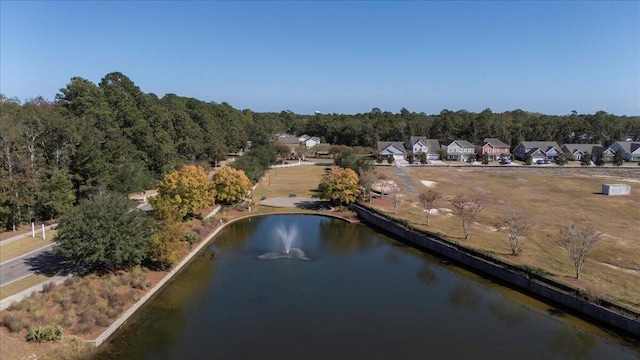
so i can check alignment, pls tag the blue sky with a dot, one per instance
(336, 57)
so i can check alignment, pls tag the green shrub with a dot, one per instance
(46, 333)
(190, 238)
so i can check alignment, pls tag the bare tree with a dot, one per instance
(467, 208)
(427, 200)
(578, 241)
(367, 180)
(397, 194)
(517, 224)
(383, 180)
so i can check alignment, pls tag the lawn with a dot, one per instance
(299, 180)
(23, 246)
(553, 198)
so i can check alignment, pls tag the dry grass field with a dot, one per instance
(553, 197)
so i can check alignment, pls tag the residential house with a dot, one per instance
(579, 150)
(290, 140)
(539, 150)
(608, 154)
(392, 148)
(494, 149)
(458, 150)
(631, 149)
(309, 141)
(420, 144)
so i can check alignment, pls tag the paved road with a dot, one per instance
(25, 265)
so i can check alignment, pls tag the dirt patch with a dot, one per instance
(428, 183)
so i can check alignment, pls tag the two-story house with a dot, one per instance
(494, 149)
(420, 144)
(458, 150)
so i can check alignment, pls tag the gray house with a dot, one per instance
(458, 150)
(392, 148)
(631, 149)
(579, 150)
(540, 150)
(420, 144)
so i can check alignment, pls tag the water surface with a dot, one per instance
(358, 294)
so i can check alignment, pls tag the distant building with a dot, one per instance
(493, 148)
(458, 150)
(538, 150)
(394, 149)
(420, 144)
(579, 150)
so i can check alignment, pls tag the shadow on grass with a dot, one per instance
(313, 205)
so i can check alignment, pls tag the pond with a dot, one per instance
(344, 291)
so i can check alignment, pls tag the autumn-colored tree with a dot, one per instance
(231, 185)
(427, 199)
(467, 208)
(167, 238)
(340, 186)
(189, 189)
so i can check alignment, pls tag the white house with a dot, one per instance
(420, 144)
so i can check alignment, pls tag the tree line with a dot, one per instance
(112, 136)
(512, 127)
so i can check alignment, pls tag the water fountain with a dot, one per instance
(287, 236)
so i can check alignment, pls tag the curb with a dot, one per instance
(6, 302)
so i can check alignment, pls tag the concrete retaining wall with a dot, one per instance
(545, 288)
(127, 314)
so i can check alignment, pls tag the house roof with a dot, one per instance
(287, 139)
(382, 145)
(461, 143)
(496, 143)
(433, 146)
(543, 145)
(415, 139)
(628, 146)
(584, 148)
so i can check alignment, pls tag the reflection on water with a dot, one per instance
(293, 254)
(572, 343)
(363, 295)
